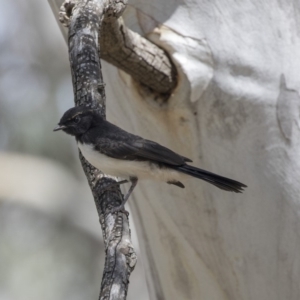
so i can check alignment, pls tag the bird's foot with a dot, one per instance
(111, 186)
(120, 208)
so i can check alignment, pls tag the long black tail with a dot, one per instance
(217, 180)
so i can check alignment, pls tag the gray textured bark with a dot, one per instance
(85, 21)
(144, 61)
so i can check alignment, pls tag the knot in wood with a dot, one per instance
(114, 10)
(65, 12)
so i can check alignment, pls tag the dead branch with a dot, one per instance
(85, 20)
(147, 63)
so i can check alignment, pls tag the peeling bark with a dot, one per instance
(85, 21)
(144, 61)
(147, 63)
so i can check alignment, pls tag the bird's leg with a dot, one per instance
(134, 182)
(113, 184)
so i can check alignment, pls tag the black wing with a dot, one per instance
(120, 144)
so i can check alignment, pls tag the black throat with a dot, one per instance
(96, 130)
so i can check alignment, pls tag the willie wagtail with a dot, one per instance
(119, 153)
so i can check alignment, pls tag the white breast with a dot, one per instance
(126, 168)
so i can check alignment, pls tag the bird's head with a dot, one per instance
(77, 120)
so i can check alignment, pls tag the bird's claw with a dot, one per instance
(120, 208)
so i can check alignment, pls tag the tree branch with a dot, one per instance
(147, 63)
(143, 60)
(86, 18)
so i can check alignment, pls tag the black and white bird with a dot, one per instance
(117, 152)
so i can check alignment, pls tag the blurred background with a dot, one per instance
(50, 239)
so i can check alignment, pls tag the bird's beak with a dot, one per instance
(59, 127)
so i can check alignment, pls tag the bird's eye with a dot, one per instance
(76, 120)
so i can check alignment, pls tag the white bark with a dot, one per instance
(203, 243)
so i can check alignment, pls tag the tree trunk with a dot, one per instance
(85, 20)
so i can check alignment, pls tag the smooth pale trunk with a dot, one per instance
(235, 112)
